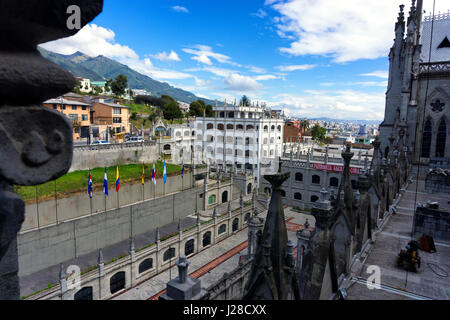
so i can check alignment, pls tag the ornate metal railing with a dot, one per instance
(442, 66)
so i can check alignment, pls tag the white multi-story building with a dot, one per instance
(239, 137)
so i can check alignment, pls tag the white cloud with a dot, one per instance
(163, 56)
(92, 40)
(260, 14)
(256, 69)
(337, 104)
(291, 68)
(180, 9)
(379, 74)
(204, 54)
(265, 77)
(240, 83)
(345, 31)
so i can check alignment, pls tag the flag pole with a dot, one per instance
(143, 181)
(56, 204)
(104, 191)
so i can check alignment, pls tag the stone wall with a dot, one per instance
(85, 157)
(49, 246)
(98, 280)
(47, 213)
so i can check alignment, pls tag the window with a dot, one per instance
(247, 216)
(266, 128)
(441, 139)
(84, 117)
(315, 179)
(250, 127)
(209, 126)
(298, 196)
(314, 198)
(84, 108)
(63, 107)
(298, 176)
(212, 199)
(117, 282)
(145, 265)
(230, 114)
(279, 128)
(230, 127)
(283, 193)
(83, 294)
(189, 247)
(206, 239)
(426, 139)
(117, 111)
(239, 127)
(54, 106)
(73, 117)
(222, 228)
(220, 126)
(74, 107)
(235, 225)
(225, 196)
(167, 147)
(169, 254)
(272, 128)
(249, 188)
(334, 182)
(117, 120)
(354, 184)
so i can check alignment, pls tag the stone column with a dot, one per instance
(102, 286)
(35, 143)
(132, 252)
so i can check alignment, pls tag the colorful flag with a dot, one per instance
(182, 167)
(117, 180)
(105, 183)
(154, 174)
(143, 174)
(89, 191)
(165, 172)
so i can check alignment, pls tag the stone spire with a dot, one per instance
(345, 189)
(272, 276)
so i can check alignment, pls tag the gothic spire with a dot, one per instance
(272, 276)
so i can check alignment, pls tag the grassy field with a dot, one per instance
(139, 108)
(77, 181)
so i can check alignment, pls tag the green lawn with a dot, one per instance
(77, 181)
(139, 108)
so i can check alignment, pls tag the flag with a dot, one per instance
(105, 184)
(117, 180)
(154, 174)
(165, 172)
(89, 191)
(182, 167)
(143, 174)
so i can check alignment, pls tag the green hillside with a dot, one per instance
(102, 68)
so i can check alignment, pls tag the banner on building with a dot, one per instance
(334, 168)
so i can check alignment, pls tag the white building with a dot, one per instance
(85, 85)
(239, 137)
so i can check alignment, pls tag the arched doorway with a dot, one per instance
(249, 188)
(145, 265)
(206, 239)
(235, 226)
(189, 247)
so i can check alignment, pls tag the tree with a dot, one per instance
(318, 133)
(133, 116)
(209, 111)
(77, 88)
(152, 117)
(171, 110)
(96, 90)
(304, 124)
(119, 85)
(245, 101)
(196, 108)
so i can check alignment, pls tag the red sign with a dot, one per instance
(334, 168)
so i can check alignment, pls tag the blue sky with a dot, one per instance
(310, 57)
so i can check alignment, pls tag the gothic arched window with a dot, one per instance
(441, 139)
(426, 139)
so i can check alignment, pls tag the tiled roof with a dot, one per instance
(65, 101)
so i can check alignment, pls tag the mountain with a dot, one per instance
(102, 68)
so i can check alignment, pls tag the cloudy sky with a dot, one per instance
(314, 58)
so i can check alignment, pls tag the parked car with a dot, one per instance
(135, 140)
(96, 142)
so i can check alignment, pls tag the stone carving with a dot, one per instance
(437, 106)
(35, 143)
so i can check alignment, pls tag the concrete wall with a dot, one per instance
(55, 244)
(434, 223)
(99, 279)
(85, 157)
(48, 213)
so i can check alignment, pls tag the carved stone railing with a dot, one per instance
(434, 67)
(35, 142)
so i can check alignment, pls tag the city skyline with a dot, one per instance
(315, 60)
